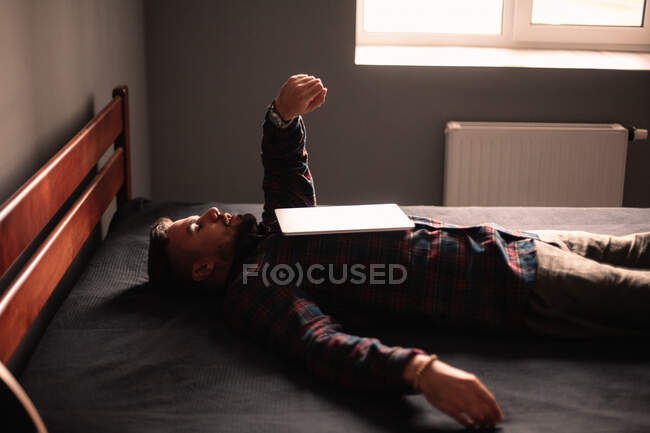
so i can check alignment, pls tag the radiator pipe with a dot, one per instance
(636, 134)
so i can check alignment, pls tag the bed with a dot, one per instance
(118, 356)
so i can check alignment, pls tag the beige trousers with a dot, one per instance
(590, 285)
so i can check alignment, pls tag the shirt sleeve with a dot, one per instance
(287, 179)
(289, 322)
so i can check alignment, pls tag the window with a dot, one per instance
(621, 13)
(606, 24)
(417, 16)
(617, 25)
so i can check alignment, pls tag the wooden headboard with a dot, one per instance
(26, 213)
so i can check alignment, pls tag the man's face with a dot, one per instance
(212, 235)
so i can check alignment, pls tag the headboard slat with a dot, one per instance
(27, 211)
(30, 290)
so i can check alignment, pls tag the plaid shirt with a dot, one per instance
(462, 277)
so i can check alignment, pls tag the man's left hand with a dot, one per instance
(299, 95)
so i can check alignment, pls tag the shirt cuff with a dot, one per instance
(398, 360)
(283, 143)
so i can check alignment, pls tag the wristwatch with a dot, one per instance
(275, 118)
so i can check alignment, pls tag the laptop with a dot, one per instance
(342, 219)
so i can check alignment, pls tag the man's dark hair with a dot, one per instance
(163, 275)
(159, 265)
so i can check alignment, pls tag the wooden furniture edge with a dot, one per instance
(12, 384)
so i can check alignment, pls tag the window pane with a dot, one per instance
(627, 13)
(434, 16)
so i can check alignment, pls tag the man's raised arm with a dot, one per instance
(287, 179)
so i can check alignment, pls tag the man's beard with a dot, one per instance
(246, 236)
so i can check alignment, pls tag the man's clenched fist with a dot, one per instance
(299, 95)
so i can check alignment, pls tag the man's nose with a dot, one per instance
(211, 214)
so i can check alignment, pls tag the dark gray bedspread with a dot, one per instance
(119, 357)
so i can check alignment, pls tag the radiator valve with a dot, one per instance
(636, 134)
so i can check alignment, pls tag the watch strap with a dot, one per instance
(275, 118)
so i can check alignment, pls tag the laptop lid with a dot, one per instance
(342, 219)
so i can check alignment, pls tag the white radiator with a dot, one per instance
(534, 164)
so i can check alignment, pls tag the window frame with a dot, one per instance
(518, 32)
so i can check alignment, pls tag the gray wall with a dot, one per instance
(59, 61)
(213, 66)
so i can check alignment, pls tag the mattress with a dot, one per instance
(120, 357)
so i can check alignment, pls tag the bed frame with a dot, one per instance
(28, 211)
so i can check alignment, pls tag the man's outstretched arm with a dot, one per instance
(287, 179)
(288, 322)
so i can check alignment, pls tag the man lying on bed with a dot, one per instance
(481, 278)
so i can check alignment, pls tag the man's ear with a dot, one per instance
(203, 268)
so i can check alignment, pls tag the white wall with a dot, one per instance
(215, 65)
(59, 61)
